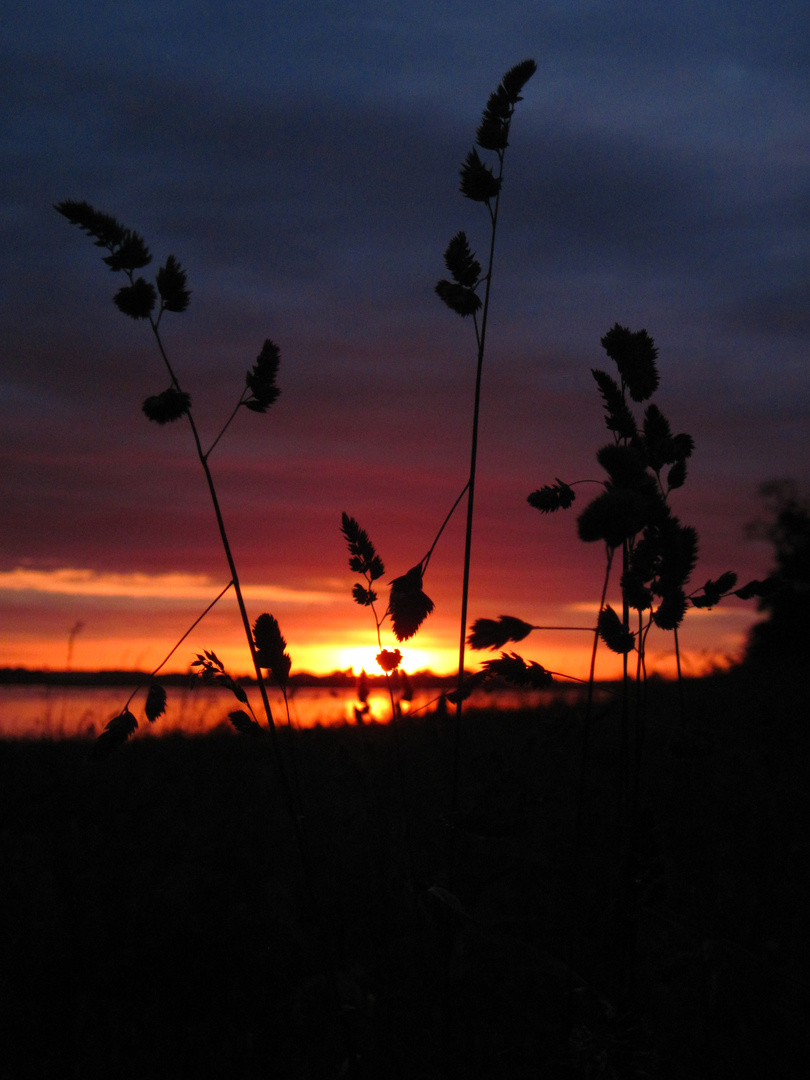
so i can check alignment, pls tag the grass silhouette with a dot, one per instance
(482, 185)
(632, 517)
(415, 927)
(142, 300)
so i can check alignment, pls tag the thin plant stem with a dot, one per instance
(234, 578)
(448, 999)
(641, 717)
(78, 214)
(426, 559)
(294, 810)
(589, 701)
(465, 588)
(226, 425)
(174, 649)
(624, 756)
(406, 808)
(681, 701)
(583, 768)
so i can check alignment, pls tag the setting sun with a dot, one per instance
(363, 658)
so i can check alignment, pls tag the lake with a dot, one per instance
(65, 711)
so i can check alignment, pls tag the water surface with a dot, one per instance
(66, 711)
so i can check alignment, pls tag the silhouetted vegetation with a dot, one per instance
(152, 924)
(529, 902)
(632, 517)
(144, 300)
(785, 636)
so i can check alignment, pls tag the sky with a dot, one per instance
(301, 162)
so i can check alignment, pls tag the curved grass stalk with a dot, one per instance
(175, 647)
(226, 546)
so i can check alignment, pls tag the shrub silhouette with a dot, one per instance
(785, 635)
(632, 516)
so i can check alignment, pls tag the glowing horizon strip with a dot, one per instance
(69, 581)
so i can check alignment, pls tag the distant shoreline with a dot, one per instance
(334, 680)
(34, 677)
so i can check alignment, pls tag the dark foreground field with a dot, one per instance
(153, 921)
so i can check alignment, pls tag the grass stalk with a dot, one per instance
(289, 796)
(177, 644)
(468, 532)
(479, 184)
(129, 253)
(580, 807)
(290, 788)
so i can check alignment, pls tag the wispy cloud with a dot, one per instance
(68, 581)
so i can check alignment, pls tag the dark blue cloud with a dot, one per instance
(302, 162)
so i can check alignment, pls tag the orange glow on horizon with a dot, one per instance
(124, 628)
(128, 654)
(134, 654)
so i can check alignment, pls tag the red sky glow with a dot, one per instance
(304, 171)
